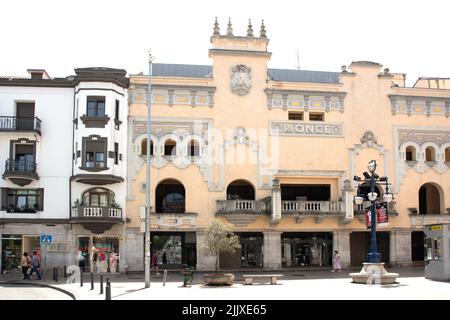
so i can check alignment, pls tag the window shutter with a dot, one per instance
(41, 199)
(4, 199)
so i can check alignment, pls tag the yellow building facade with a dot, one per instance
(273, 152)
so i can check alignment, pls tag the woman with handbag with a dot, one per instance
(25, 265)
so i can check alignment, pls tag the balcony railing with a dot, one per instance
(312, 207)
(96, 213)
(242, 206)
(9, 123)
(20, 166)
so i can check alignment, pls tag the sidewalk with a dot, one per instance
(296, 285)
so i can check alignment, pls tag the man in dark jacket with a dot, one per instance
(35, 264)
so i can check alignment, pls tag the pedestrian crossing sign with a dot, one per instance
(46, 238)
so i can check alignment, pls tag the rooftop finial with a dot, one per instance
(216, 28)
(250, 29)
(262, 32)
(229, 29)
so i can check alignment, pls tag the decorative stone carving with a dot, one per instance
(240, 83)
(240, 136)
(423, 136)
(368, 137)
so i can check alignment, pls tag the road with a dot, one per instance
(29, 292)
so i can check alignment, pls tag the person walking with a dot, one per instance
(113, 262)
(164, 258)
(155, 262)
(336, 262)
(35, 266)
(25, 265)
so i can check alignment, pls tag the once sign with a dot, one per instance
(300, 128)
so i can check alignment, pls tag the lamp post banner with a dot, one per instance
(382, 215)
(368, 217)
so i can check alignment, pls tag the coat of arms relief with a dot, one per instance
(241, 79)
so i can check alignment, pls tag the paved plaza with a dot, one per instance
(295, 285)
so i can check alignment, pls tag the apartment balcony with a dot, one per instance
(20, 172)
(20, 124)
(421, 220)
(243, 212)
(97, 219)
(313, 209)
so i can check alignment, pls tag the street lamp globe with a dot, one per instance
(372, 196)
(358, 200)
(372, 166)
(387, 197)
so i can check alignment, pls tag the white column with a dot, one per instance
(400, 247)
(341, 243)
(276, 202)
(205, 262)
(272, 250)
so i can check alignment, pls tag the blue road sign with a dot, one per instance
(46, 238)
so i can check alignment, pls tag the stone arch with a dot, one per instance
(240, 189)
(431, 198)
(170, 196)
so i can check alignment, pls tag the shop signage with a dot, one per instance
(301, 128)
(435, 228)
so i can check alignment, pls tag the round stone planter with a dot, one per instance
(219, 279)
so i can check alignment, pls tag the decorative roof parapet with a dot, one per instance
(216, 30)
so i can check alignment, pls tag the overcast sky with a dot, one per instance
(410, 37)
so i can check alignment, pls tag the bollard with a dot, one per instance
(53, 274)
(65, 271)
(164, 278)
(108, 290)
(101, 283)
(81, 279)
(56, 274)
(92, 281)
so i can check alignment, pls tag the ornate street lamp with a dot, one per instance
(372, 179)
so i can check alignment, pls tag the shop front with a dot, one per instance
(98, 254)
(306, 249)
(173, 249)
(13, 246)
(249, 256)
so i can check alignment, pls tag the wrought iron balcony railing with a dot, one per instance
(9, 123)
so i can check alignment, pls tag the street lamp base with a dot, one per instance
(374, 273)
(373, 257)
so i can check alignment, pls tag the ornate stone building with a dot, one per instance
(274, 153)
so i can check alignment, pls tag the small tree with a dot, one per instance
(219, 238)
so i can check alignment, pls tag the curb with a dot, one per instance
(70, 294)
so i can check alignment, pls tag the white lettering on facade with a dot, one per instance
(306, 129)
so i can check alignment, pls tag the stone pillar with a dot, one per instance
(276, 202)
(205, 262)
(348, 200)
(400, 248)
(272, 250)
(134, 247)
(341, 243)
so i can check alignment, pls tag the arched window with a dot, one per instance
(98, 197)
(430, 154)
(170, 197)
(193, 148)
(447, 154)
(240, 190)
(430, 199)
(410, 153)
(144, 147)
(170, 147)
